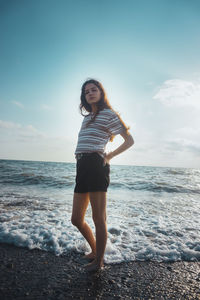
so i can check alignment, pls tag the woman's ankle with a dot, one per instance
(99, 261)
(91, 254)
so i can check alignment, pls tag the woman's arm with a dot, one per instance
(128, 142)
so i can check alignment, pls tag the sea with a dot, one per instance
(153, 213)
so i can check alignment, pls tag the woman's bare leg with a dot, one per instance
(98, 203)
(80, 204)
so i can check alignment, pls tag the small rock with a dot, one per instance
(10, 266)
(111, 281)
(197, 279)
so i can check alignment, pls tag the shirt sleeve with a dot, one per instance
(115, 126)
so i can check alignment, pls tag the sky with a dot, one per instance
(145, 53)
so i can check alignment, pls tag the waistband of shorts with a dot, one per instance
(86, 154)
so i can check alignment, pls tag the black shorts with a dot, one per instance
(91, 174)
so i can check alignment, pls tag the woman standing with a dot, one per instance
(99, 126)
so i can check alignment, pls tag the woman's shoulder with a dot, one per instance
(108, 112)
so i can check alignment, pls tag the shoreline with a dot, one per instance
(36, 274)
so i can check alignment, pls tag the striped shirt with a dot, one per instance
(95, 136)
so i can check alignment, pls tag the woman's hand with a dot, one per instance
(108, 157)
(128, 142)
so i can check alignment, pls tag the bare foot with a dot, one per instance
(91, 256)
(93, 266)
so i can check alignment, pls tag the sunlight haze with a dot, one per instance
(145, 53)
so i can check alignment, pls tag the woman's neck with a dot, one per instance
(94, 108)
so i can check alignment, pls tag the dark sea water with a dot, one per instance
(152, 212)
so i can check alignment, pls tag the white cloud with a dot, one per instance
(18, 130)
(185, 139)
(30, 132)
(181, 144)
(179, 93)
(188, 132)
(150, 83)
(27, 142)
(19, 104)
(46, 107)
(9, 125)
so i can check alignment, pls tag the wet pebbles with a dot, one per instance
(35, 274)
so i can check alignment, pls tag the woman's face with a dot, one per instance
(92, 93)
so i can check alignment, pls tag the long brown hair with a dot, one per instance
(101, 104)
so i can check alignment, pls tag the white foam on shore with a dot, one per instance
(141, 226)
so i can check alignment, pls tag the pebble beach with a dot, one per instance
(37, 274)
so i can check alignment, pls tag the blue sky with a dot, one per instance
(145, 53)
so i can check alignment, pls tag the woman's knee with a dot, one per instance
(76, 222)
(99, 220)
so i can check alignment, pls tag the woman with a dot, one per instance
(99, 126)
